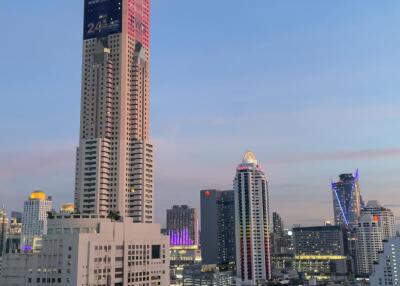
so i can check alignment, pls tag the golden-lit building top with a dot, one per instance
(67, 208)
(38, 196)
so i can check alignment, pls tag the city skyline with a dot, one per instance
(300, 154)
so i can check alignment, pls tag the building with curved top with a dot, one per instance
(252, 222)
(34, 219)
(384, 216)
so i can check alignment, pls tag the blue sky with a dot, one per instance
(312, 87)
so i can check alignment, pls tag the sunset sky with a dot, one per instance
(311, 87)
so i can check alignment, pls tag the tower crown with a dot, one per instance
(249, 158)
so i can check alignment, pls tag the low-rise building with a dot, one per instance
(93, 250)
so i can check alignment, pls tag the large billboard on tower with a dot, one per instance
(102, 18)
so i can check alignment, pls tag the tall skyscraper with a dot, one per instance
(3, 229)
(385, 270)
(114, 167)
(252, 222)
(347, 201)
(369, 243)
(385, 218)
(183, 226)
(217, 227)
(34, 220)
(110, 238)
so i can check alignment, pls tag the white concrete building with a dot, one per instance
(34, 219)
(387, 269)
(253, 259)
(369, 243)
(385, 218)
(93, 250)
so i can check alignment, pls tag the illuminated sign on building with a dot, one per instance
(102, 18)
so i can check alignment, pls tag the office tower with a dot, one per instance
(204, 275)
(385, 218)
(114, 166)
(13, 241)
(347, 201)
(320, 240)
(252, 222)
(182, 226)
(386, 269)
(34, 220)
(93, 250)
(217, 227)
(67, 208)
(369, 243)
(322, 251)
(3, 229)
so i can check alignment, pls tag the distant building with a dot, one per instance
(17, 216)
(277, 224)
(182, 226)
(34, 220)
(217, 227)
(347, 201)
(386, 269)
(320, 240)
(386, 218)
(253, 258)
(93, 250)
(369, 243)
(3, 230)
(13, 241)
(322, 251)
(67, 208)
(198, 275)
(278, 235)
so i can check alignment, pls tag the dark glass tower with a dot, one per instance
(347, 201)
(217, 227)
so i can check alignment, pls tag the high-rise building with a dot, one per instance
(386, 269)
(369, 243)
(110, 239)
(322, 251)
(347, 200)
(385, 218)
(3, 229)
(253, 261)
(182, 226)
(34, 220)
(114, 166)
(217, 227)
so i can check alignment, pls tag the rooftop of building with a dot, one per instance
(38, 195)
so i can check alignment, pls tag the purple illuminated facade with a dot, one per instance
(180, 237)
(182, 226)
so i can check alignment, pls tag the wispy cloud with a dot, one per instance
(38, 159)
(367, 154)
